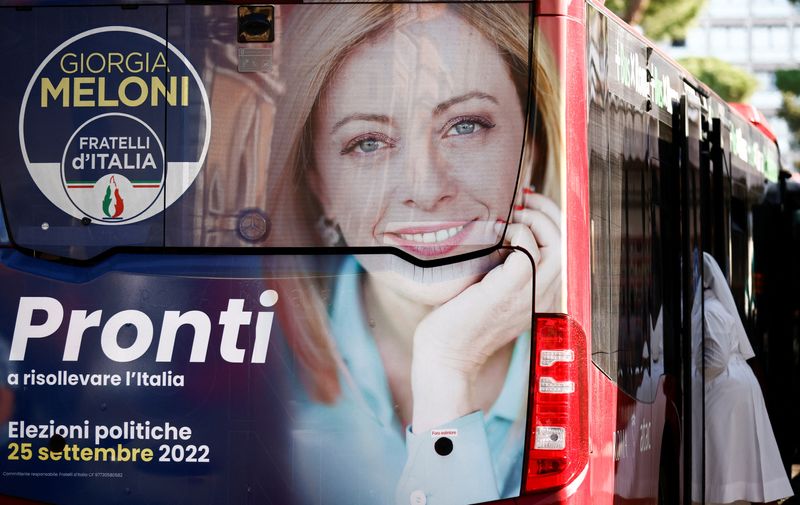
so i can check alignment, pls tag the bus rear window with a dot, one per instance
(149, 173)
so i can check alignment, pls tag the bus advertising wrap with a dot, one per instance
(296, 271)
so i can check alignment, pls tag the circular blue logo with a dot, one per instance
(94, 121)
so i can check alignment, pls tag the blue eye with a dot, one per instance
(466, 125)
(369, 145)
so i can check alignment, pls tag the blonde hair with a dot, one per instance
(323, 37)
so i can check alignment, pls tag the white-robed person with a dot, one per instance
(742, 462)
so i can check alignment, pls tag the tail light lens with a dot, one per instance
(559, 440)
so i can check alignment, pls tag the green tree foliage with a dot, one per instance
(788, 81)
(731, 83)
(660, 19)
(790, 111)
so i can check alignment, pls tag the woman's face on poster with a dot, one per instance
(417, 138)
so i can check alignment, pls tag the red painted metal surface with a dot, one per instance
(615, 473)
(561, 26)
(755, 117)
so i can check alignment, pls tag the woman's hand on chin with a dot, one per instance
(455, 340)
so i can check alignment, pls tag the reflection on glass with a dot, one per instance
(730, 422)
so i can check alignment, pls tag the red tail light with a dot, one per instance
(558, 440)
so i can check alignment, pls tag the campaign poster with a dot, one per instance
(275, 254)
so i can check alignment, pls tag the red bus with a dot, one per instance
(427, 253)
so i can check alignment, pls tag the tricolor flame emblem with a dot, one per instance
(119, 203)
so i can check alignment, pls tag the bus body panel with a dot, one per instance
(637, 413)
(678, 159)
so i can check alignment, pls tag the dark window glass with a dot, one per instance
(739, 265)
(3, 231)
(624, 306)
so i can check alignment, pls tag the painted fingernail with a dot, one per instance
(529, 190)
(519, 207)
(501, 220)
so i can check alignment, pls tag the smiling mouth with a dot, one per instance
(430, 240)
(432, 236)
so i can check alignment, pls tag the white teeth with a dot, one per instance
(433, 236)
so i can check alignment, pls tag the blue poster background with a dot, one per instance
(239, 410)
